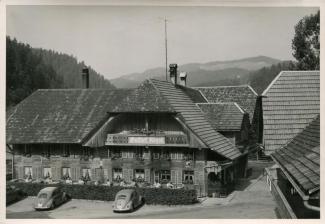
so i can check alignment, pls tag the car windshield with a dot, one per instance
(42, 195)
(121, 197)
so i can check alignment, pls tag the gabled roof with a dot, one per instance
(60, 115)
(195, 119)
(300, 158)
(244, 96)
(223, 116)
(290, 103)
(145, 98)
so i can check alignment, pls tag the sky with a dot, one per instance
(117, 40)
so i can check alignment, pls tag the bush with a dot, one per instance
(159, 196)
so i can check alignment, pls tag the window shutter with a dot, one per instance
(77, 173)
(59, 171)
(173, 176)
(21, 172)
(130, 174)
(130, 154)
(73, 173)
(93, 174)
(39, 172)
(180, 156)
(147, 175)
(146, 154)
(54, 174)
(196, 177)
(34, 173)
(179, 177)
(125, 174)
(173, 155)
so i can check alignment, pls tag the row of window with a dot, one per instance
(47, 172)
(144, 154)
(159, 175)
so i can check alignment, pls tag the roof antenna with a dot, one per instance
(166, 47)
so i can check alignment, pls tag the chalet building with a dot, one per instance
(298, 173)
(247, 101)
(158, 132)
(290, 103)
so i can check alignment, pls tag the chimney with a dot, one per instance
(173, 73)
(85, 78)
(182, 77)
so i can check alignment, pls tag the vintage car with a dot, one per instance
(127, 200)
(49, 198)
(13, 194)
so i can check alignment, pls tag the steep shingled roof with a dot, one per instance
(300, 158)
(60, 115)
(244, 96)
(145, 98)
(290, 103)
(223, 116)
(195, 119)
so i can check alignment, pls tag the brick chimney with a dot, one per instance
(182, 77)
(85, 78)
(173, 73)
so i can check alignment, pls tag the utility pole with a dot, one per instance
(166, 47)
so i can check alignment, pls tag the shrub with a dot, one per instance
(159, 196)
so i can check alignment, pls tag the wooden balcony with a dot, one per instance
(155, 139)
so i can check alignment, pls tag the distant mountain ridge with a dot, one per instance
(199, 73)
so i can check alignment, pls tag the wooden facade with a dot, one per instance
(153, 133)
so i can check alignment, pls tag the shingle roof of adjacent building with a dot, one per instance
(290, 103)
(60, 116)
(244, 96)
(300, 158)
(145, 98)
(223, 116)
(195, 119)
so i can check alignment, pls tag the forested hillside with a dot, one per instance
(261, 78)
(29, 69)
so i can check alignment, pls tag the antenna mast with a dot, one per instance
(166, 47)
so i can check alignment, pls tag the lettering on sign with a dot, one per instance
(146, 140)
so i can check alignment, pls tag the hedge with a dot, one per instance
(159, 196)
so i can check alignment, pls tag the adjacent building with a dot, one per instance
(298, 175)
(158, 132)
(290, 103)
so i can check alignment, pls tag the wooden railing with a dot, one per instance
(153, 139)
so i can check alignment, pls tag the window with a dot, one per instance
(86, 174)
(27, 151)
(117, 173)
(46, 151)
(173, 155)
(116, 153)
(165, 175)
(139, 153)
(139, 174)
(165, 155)
(47, 172)
(28, 172)
(188, 176)
(66, 150)
(66, 172)
(188, 156)
(156, 155)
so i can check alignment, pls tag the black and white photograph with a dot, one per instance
(119, 110)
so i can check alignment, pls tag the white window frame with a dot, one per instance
(47, 170)
(28, 170)
(119, 173)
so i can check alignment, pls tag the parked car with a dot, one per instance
(127, 200)
(49, 198)
(13, 194)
